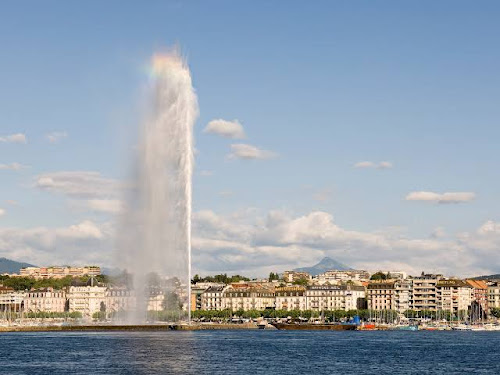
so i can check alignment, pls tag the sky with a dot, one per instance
(366, 131)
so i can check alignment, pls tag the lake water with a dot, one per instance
(250, 352)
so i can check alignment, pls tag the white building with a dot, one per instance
(334, 297)
(334, 276)
(45, 300)
(453, 295)
(290, 298)
(248, 299)
(87, 299)
(211, 298)
(494, 295)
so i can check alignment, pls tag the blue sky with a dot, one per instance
(323, 85)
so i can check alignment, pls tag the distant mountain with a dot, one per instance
(488, 277)
(11, 266)
(326, 264)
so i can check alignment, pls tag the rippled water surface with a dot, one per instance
(250, 352)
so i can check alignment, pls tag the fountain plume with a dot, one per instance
(155, 236)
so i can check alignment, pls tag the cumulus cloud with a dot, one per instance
(14, 138)
(374, 165)
(12, 166)
(83, 184)
(82, 243)
(228, 129)
(280, 241)
(441, 198)
(56, 137)
(2, 212)
(246, 151)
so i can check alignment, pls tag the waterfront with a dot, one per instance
(250, 352)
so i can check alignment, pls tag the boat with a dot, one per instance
(315, 327)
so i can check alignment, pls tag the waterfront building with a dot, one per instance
(404, 294)
(381, 295)
(334, 297)
(290, 298)
(293, 276)
(196, 293)
(494, 295)
(246, 299)
(11, 300)
(57, 272)
(45, 300)
(453, 295)
(87, 298)
(424, 292)
(480, 293)
(119, 299)
(211, 298)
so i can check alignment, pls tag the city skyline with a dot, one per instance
(322, 132)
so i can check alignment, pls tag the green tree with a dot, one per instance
(378, 276)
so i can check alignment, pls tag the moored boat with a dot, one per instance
(315, 327)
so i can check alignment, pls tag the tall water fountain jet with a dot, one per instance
(155, 237)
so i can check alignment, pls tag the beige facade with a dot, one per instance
(334, 297)
(290, 298)
(248, 299)
(494, 295)
(453, 295)
(45, 300)
(59, 272)
(86, 299)
(424, 292)
(339, 276)
(212, 298)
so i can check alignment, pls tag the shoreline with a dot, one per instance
(130, 328)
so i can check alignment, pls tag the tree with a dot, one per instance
(495, 311)
(273, 276)
(378, 276)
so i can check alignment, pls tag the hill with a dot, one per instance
(488, 277)
(326, 264)
(11, 266)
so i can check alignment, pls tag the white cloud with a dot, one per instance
(371, 164)
(279, 241)
(82, 243)
(12, 166)
(228, 129)
(246, 151)
(14, 138)
(83, 184)
(2, 212)
(55, 137)
(109, 206)
(441, 198)
(206, 173)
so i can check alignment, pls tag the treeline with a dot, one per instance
(28, 283)
(222, 278)
(329, 315)
(49, 314)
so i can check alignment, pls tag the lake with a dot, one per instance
(250, 352)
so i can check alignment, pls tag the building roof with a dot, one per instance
(453, 283)
(477, 284)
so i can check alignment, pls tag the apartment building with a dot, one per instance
(290, 298)
(494, 295)
(336, 276)
(334, 297)
(453, 295)
(254, 298)
(46, 300)
(424, 292)
(57, 272)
